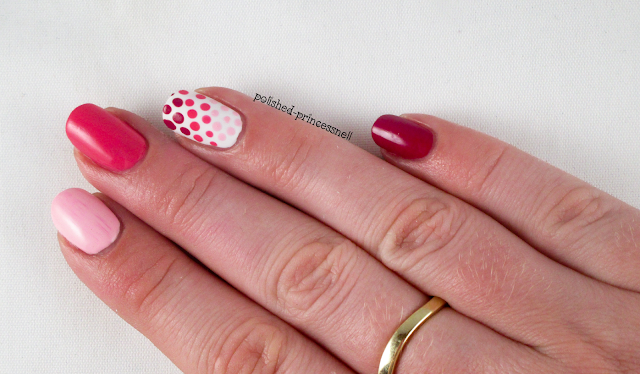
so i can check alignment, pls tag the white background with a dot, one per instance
(559, 79)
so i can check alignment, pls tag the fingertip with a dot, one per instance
(218, 90)
(113, 110)
(204, 90)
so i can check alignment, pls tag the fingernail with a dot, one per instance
(84, 220)
(402, 136)
(105, 138)
(202, 119)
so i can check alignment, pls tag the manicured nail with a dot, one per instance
(402, 137)
(105, 138)
(84, 220)
(202, 119)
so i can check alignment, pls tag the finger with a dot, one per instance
(200, 323)
(296, 267)
(438, 243)
(562, 216)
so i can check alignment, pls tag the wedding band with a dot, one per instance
(401, 336)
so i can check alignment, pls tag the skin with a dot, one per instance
(295, 251)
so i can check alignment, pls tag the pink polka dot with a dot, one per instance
(205, 106)
(166, 109)
(183, 92)
(215, 113)
(236, 114)
(177, 102)
(178, 118)
(209, 134)
(237, 122)
(213, 143)
(217, 126)
(192, 113)
(206, 119)
(227, 119)
(231, 131)
(224, 108)
(185, 130)
(189, 102)
(200, 96)
(222, 136)
(195, 126)
(169, 124)
(198, 138)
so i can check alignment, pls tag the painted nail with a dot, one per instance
(84, 220)
(202, 119)
(105, 138)
(402, 136)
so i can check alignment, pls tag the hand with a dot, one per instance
(291, 250)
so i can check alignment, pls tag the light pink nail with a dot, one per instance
(84, 220)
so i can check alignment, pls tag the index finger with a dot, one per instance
(560, 215)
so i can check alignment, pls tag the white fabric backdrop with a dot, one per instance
(560, 80)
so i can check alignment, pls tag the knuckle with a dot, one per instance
(577, 208)
(422, 228)
(482, 173)
(187, 193)
(288, 169)
(614, 348)
(255, 346)
(590, 357)
(315, 280)
(146, 291)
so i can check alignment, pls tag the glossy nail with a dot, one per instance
(202, 119)
(401, 136)
(104, 138)
(84, 220)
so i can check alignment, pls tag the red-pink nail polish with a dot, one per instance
(402, 137)
(104, 138)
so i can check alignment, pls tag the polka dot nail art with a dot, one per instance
(202, 119)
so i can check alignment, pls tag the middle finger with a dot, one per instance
(432, 239)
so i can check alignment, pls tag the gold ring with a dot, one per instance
(401, 336)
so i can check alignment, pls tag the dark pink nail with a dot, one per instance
(402, 137)
(104, 138)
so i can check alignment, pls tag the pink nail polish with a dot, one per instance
(84, 220)
(402, 136)
(202, 119)
(105, 138)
